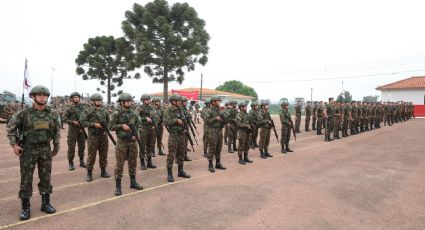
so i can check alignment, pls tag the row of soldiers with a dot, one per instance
(137, 127)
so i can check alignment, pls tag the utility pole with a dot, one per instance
(200, 93)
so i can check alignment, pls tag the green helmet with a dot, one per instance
(184, 99)
(254, 103)
(40, 89)
(96, 97)
(215, 98)
(242, 104)
(207, 101)
(145, 97)
(156, 99)
(175, 97)
(125, 97)
(75, 94)
(233, 102)
(264, 102)
(283, 103)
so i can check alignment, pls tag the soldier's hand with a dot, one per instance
(17, 150)
(97, 125)
(148, 120)
(126, 128)
(76, 123)
(133, 138)
(179, 122)
(218, 118)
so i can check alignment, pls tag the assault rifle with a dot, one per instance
(293, 130)
(274, 128)
(186, 131)
(135, 134)
(105, 128)
(81, 127)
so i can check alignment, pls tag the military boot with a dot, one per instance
(71, 165)
(82, 164)
(337, 136)
(241, 161)
(283, 150)
(160, 152)
(186, 158)
(103, 173)
(218, 164)
(134, 184)
(45, 204)
(234, 147)
(328, 138)
(229, 148)
(262, 155)
(288, 149)
(211, 166)
(89, 176)
(266, 152)
(205, 153)
(246, 159)
(150, 164)
(170, 177)
(153, 154)
(26, 209)
(255, 144)
(143, 163)
(118, 187)
(182, 173)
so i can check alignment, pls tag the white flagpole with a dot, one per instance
(23, 84)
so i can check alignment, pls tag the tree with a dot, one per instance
(344, 96)
(167, 40)
(108, 60)
(237, 87)
(371, 98)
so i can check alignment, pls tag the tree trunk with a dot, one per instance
(109, 90)
(165, 85)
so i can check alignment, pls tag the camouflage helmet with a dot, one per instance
(233, 102)
(254, 103)
(215, 98)
(39, 89)
(156, 99)
(175, 97)
(75, 94)
(207, 101)
(184, 99)
(96, 97)
(242, 104)
(284, 103)
(145, 97)
(264, 102)
(125, 97)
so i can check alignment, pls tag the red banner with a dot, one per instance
(419, 110)
(192, 95)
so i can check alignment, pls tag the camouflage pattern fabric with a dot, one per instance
(75, 134)
(176, 138)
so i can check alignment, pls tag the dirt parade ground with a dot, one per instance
(374, 180)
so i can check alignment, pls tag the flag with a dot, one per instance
(27, 83)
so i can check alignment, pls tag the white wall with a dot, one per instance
(415, 96)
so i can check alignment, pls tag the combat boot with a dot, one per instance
(26, 209)
(160, 152)
(82, 164)
(262, 155)
(234, 147)
(288, 149)
(211, 166)
(205, 153)
(241, 161)
(45, 204)
(143, 163)
(229, 148)
(170, 177)
(153, 154)
(150, 164)
(337, 136)
(266, 152)
(255, 144)
(118, 187)
(134, 184)
(328, 138)
(283, 150)
(71, 165)
(103, 173)
(218, 164)
(186, 158)
(246, 159)
(89, 176)
(182, 173)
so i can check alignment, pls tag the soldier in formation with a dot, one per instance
(215, 122)
(147, 132)
(254, 120)
(265, 125)
(205, 134)
(244, 130)
(287, 125)
(308, 110)
(159, 130)
(298, 117)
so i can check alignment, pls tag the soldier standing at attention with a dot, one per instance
(173, 119)
(97, 138)
(121, 119)
(253, 116)
(329, 113)
(226, 128)
(205, 135)
(298, 117)
(315, 105)
(215, 133)
(320, 115)
(346, 111)
(265, 125)
(75, 134)
(286, 121)
(337, 120)
(308, 110)
(187, 116)
(353, 126)
(231, 118)
(147, 131)
(159, 111)
(37, 127)
(244, 130)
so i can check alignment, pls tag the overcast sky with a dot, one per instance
(277, 47)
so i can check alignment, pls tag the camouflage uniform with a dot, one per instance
(265, 125)
(253, 116)
(159, 111)
(346, 124)
(147, 132)
(329, 121)
(205, 135)
(353, 127)
(215, 134)
(320, 120)
(226, 128)
(244, 130)
(297, 117)
(97, 138)
(232, 133)
(286, 121)
(307, 116)
(75, 134)
(315, 105)
(337, 120)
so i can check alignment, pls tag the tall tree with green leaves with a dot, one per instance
(237, 87)
(168, 40)
(344, 96)
(108, 60)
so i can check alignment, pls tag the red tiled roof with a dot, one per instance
(409, 83)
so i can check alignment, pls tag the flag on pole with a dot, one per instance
(27, 83)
